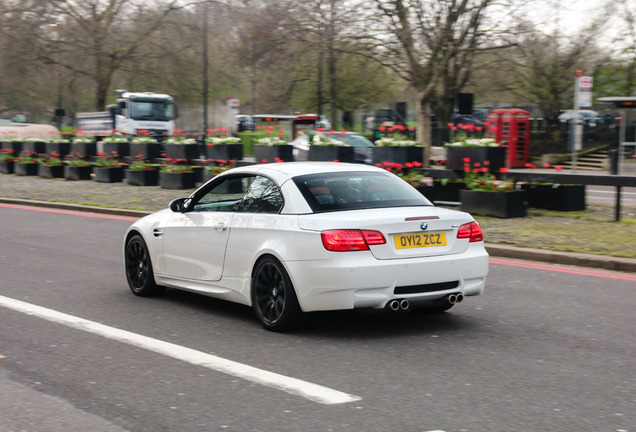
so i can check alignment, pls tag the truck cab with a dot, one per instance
(151, 112)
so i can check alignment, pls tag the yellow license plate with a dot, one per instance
(418, 240)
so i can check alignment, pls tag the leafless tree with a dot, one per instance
(432, 44)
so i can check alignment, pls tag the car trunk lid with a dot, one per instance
(409, 232)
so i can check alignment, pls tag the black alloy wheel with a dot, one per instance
(139, 272)
(273, 297)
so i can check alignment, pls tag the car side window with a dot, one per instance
(225, 196)
(263, 196)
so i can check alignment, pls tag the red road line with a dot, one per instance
(563, 270)
(70, 212)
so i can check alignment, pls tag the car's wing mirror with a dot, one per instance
(179, 205)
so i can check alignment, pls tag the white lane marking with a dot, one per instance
(313, 392)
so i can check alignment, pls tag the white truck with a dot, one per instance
(134, 112)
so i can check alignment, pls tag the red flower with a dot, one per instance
(503, 170)
(558, 168)
(546, 165)
(320, 129)
(466, 160)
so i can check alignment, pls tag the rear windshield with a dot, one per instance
(357, 190)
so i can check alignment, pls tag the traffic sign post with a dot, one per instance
(233, 109)
(582, 98)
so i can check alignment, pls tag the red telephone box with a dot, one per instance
(511, 127)
(494, 120)
(518, 137)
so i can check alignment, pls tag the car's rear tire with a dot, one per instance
(139, 273)
(273, 297)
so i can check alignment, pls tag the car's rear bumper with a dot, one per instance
(357, 280)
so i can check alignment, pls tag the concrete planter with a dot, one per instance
(330, 153)
(25, 169)
(51, 171)
(275, 153)
(78, 172)
(494, 156)
(182, 151)
(142, 178)
(186, 180)
(398, 154)
(226, 152)
(108, 175)
(561, 197)
(495, 204)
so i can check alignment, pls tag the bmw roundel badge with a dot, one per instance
(424, 225)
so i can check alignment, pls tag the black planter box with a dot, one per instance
(148, 151)
(330, 153)
(226, 152)
(275, 153)
(28, 169)
(142, 178)
(6, 167)
(182, 151)
(398, 154)
(121, 149)
(447, 192)
(496, 204)
(16, 146)
(85, 150)
(108, 175)
(561, 197)
(495, 156)
(427, 191)
(61, 149)
(38, 147)
(78, 172)
(51, 171)
(186, 180)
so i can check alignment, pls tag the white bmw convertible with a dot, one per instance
(295, 237)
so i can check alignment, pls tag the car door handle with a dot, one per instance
(157, 233)
(220, 226)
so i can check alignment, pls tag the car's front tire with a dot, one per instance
(139, 273)
(273, 297)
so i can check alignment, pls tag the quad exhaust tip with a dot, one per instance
(403, 304)
(455, 298)
(398, 304)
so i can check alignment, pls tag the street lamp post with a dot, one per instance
(205, 69)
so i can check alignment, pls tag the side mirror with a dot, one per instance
(179, 205)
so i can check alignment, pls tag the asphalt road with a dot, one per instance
(607, 195)
(546, 348)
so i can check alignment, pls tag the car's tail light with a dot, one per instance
(471, 231)
(351, 240)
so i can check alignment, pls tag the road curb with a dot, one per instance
(495, 250)
(569, 258)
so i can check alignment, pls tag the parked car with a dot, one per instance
(289, 238)
(588, 117)
(363, 152)
(245, 123)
